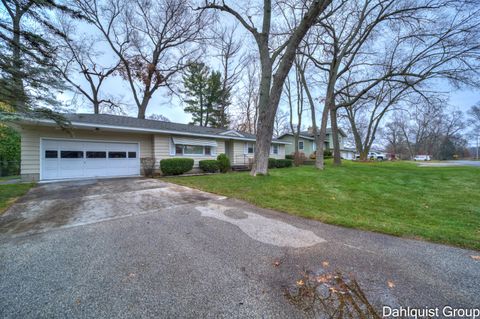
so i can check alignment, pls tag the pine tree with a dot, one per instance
(204, 96)
(28, 82)
(195, 91)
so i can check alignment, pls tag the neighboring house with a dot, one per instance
(101, 145)
(348, 153)
(306, 142)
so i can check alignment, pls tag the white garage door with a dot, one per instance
(63, 159)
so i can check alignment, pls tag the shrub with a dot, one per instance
(290, 156)
(272, 162)
(327, 154)
(281, 163)
(176, 166)
(148, 166)
(313, 156)
(223, 163)
(209, 166)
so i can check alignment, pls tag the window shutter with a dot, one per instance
(172, 147)
(245, 148)
(271, 149)
(213, 151)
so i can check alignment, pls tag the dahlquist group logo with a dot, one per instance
(427, 312)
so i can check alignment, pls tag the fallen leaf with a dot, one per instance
(390, 284)
(277, 263)
(77, 301)
(300, 282)
(475, 257)
(325, 264)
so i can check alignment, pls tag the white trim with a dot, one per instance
(82, 140)
(85, 179)
(134, 129)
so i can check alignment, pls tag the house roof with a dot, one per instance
(309, 136)
(116, 122)
(329, 131)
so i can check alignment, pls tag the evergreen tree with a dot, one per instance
(195, 91)
(204, 96)
(220, 100)
(28, 82)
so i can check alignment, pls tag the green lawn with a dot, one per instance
(440, 204)
(10, 192)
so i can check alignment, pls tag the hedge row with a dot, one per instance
(279, 163)
(209, 166)
(176, 166)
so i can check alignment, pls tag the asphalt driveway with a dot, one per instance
(129, 248)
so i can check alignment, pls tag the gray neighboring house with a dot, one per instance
(101, 145)
(306, 143)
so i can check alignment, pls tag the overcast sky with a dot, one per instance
(164, 103)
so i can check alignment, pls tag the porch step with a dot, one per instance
(240, 168)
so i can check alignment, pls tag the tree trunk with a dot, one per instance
(18, 93)
(266, 108)
(96, 107)
(320, 161)
(364, 155)
(142, 108)
(336, 144)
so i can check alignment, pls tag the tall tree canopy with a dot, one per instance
(205, 95)
(28, 82)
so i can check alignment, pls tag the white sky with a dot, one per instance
(171, 107)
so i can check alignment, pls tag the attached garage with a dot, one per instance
(63, 159)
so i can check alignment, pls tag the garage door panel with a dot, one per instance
(78, 159)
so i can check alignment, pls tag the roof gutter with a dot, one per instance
(144, 130)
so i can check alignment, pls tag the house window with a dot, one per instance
(300, 145)
(132, 154)
(192, 150)
(96, 154)
(51, 154)
(71, 154)
(275, 149)
(178, 149)
(250, 148)
(117, 154)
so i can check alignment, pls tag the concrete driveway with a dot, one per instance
(131, 248)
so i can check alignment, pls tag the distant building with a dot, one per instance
(306, 143)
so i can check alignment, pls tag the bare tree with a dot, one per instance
(427, 127)
(474, 122)
(295, 99)
(233, 63)
(158, 117)
(247, 110)
(372, 41)
(80, 57)
(153, 40)
(275, 63)
(281, 123)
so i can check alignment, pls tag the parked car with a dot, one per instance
(374, 156)
(422, 158)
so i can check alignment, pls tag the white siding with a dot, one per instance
(239, 156)
(30, 142)
(161, 149)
